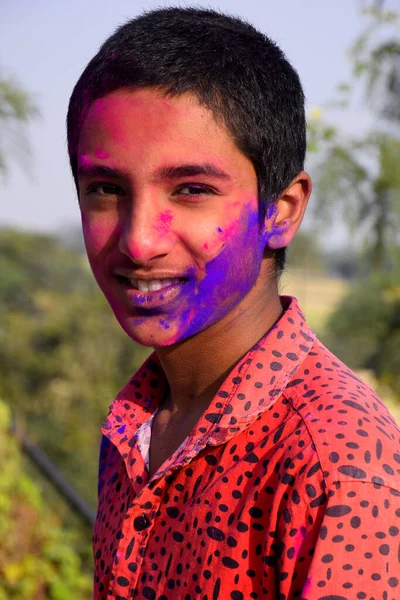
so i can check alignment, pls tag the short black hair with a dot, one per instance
(233, 69)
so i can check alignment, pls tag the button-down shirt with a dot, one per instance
(287, 487)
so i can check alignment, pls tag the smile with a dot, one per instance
(154, 284)
(151, 293)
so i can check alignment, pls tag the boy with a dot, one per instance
(242, 460)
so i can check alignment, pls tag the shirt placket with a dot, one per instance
(141, 516)
(137, 526)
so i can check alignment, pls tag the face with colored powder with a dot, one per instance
(167, 201)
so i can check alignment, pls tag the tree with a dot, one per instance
(359, 178)
(368, 198)
(16, 110)
(364, 331)
(377, 63)
(305, 252)
(63, 357)
(39, 555)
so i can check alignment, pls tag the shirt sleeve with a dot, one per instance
(350, 545)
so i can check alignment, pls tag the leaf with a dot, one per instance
(329, 133)
(16, 110)
(344, 88)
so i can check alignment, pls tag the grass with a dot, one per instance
(318, 297)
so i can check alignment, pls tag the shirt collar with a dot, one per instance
(251, 387)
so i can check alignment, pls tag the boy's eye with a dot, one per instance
(109, 189)
(104, 189)
(193, 190)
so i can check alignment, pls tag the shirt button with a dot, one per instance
(141, 523)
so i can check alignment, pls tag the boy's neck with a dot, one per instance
(196, 367)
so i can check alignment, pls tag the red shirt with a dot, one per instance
(288, 487)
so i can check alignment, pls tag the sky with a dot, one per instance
(46, 45)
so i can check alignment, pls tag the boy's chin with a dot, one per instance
(152, 336)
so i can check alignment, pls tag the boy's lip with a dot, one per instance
(151, 299)
(129, 274)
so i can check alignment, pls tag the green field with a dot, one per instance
(318, 297)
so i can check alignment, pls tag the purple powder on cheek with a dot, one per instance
(229, 277)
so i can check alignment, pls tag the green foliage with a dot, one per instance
(367, 198)
(318, 133)
(15, 103)
(358, 178)
(31, 262)
(364, 331)
(304, 251)
(16, 110)
(63, 357)
(38, 558)
(375, 56)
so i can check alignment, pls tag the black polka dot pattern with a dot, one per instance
(288, 486)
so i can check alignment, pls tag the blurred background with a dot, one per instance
(63, 357)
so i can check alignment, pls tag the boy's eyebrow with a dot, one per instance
(191, 170)
(165, 172)
(85, 170)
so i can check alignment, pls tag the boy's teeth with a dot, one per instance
(142, 286)
(157, 284)
(153, 285)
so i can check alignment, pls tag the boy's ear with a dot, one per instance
(284, 216)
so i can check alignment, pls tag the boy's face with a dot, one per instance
(165, 194)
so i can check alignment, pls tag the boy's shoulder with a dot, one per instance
(355, 436)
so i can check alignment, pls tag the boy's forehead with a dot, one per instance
(151, 100)
(145, 113)
(148, 117)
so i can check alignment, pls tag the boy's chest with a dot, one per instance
(162, 447)
(202, 532)
(166, 437)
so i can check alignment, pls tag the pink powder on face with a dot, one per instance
(164, 221)
(101, 154)
(230, 230)
(166, 217)
(134, 249)
(83, 160)
(224, 234)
